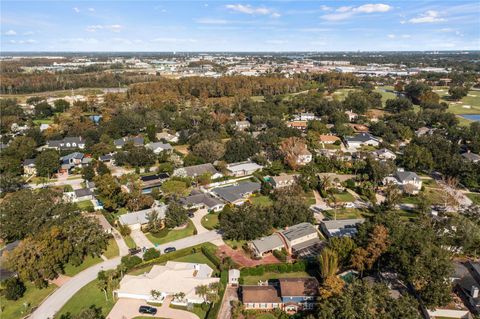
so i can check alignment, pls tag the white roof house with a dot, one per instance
(243, 168)
(173, 278)
(159, 147)
(136, 219)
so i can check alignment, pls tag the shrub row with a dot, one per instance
(213, 312)
(276, 268)
(210, 254)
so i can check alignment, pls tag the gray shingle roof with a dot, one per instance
(235, 192)
(299, 231)
(197, 170)
(361, 138)
(202, 198)
(406, 176)
(83, 192)
(267, 243)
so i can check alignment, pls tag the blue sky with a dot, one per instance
(239, 26)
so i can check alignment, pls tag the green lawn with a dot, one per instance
(433, 194)
(197, 309)
(262, 201)
(253, 280)
(197, 258)
(235, 243)
(343, 213)
(13, 309)
(84, 298)
(475, 197)
(89, 261)
(129, 241)
(265, 316)
(85, 205)
(210, 221)
(112, 249)
(43, 121)
(344, 197)
(430, 182)
(385, 95)
(165, 235)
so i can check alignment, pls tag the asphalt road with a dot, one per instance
(192, 240)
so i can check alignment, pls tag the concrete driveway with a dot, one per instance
(197, 220)
(128, 308)
(140, 239)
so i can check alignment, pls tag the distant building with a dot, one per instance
(170, 138)
(304, 157)
(237, 194)
(283, 180)
(352, 116)
(305, 117)
(67, 143)
(340, 228)
(137, 141)
(328, 139)
(243, 168)
(200, 200)
(197, 170)
(242, 125)
(135, 220)
(361, 140)
(384, 154)
(299, 125)
(29, 167)
(159, 147)
(154, 180)
(409, 182)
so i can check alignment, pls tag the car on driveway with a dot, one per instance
(147, 310)
(134, 251)
(169, 249)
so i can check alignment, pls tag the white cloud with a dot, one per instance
(276, 41)
(29, 41)
(402, 36)
(325, 8)
(391, 36)
(429, 16)
(10, 32)
(211, 21)
(346, 12)
(77, 10)
(174, 40)
(91, 9)
(248, 9)
(109, 27)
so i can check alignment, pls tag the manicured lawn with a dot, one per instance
(344, 197)
(165, 235)
(129, 241)
(385, 95)
(434, 195)
(262, 201)
(343, 213)
(43, 121)
(210, 221)
(253, 280)
(197, 258)
(85, 205)
(13, 309)
(430, 182)
(475, 197)
(71, 270)
(85, 297)
(112, 249)
(197, 309)
(235, 243)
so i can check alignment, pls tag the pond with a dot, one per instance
(471, 117)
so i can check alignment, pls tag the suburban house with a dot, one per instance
(328, 139)
(352, 116)
(304, 157)
(305, 117)
(472, 157)
(409, 182)
(283, 180)
(299, 125)
(197, 170)
(108, 158)
(165, 136)
(237, 194)
(288, 294)
(150, 181)
(199, 200)
(384, 154)
(242, 125)
(243, 168)
(137, 141)
(233, 277)
(340, 228)
(300, 239)
(361, 139)
(135, 220)
(67, 143)
(73, 160)
(29, 167)
(168, 280)
(82, 194)
(266, 244)
(159, 147)
(423, 131)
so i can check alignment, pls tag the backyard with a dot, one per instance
(165, 235)
(262, 201)
(253, 280)
(343, 213)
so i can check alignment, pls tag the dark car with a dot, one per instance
(147, 310)
(134, 251)
(169, 249)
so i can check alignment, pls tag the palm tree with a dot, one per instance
(202, 291)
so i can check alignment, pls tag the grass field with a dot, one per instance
(210, 221)
(262, 201)
(198, 258)
(85, 205)
(43, 121)
(129, 241)
(253, 280)
(15, 309)
(86, 297)
(385, 95)
(71, 270)
(112, 249)
(343, 213)
(166, 235)
(344, 197)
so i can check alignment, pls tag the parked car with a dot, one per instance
(134, 251)
(169, 249)
(147, 310)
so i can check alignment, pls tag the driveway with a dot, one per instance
(210, 236)
(122, 247)
(59, 297)
(197, 220)
(140, 239)
(226, 308)
(128, 308)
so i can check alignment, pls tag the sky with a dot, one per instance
(282, 25)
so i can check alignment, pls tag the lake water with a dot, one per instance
(471, 117)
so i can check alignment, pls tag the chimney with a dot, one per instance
(474, 291)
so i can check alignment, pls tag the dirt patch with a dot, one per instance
(242, 259)
(61, 280)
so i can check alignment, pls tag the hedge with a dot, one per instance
(276, 268)
(213, 311)
(207, 251)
